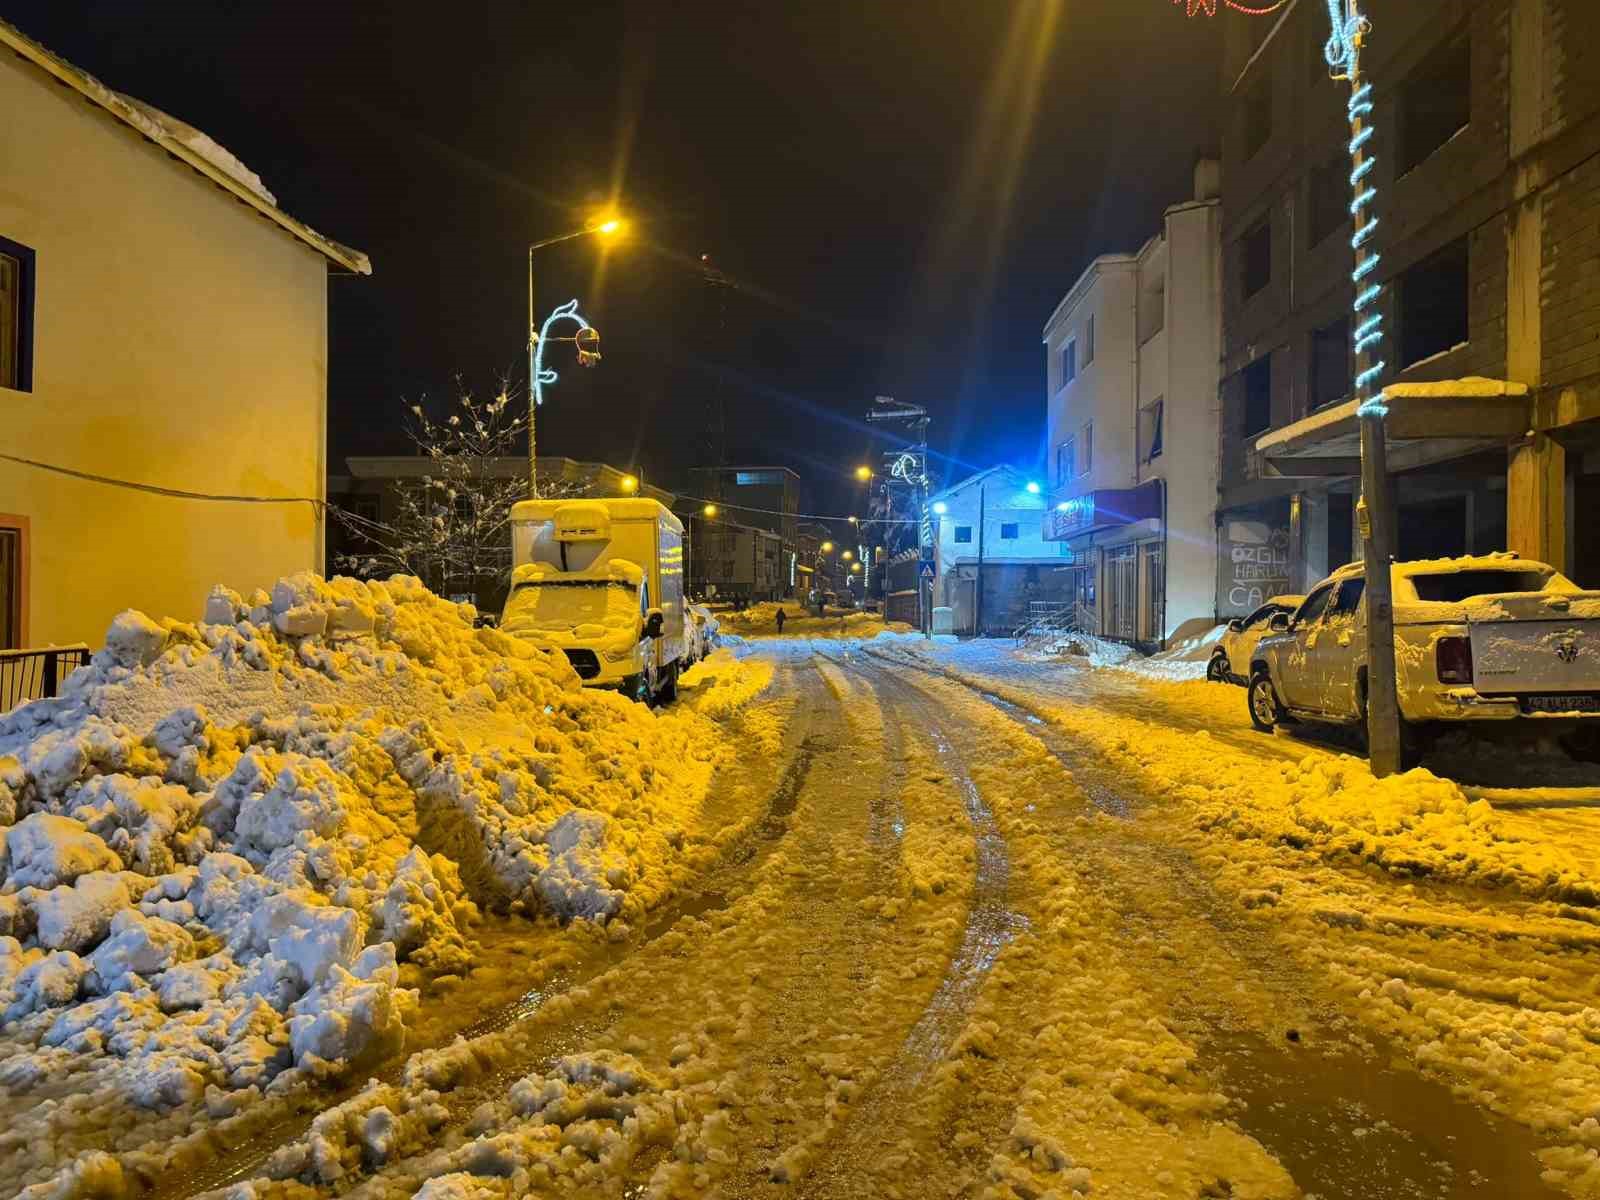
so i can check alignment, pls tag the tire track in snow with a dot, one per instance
(247, 1155)
(989, 927)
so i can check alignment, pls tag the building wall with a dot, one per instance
(179, 340)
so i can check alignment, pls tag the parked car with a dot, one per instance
(701, 629)
(1239, 643)
(1488, 638)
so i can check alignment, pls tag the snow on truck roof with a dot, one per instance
(634, 509)
(615, 570)
(183, 142)
(1499, 560)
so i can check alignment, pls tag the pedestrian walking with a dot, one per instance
(781, 619)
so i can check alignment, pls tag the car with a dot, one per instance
(702, 631)
(1238, 644)
(1492, 637)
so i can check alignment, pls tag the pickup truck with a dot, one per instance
(1488, 638)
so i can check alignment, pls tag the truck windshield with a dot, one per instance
(562, 605)
(1454, 586)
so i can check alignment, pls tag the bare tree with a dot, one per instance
(451, 525)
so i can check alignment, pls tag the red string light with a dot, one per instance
(1209, 7)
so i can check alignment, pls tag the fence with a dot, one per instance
(36, 674)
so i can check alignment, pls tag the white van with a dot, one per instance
(602, 580)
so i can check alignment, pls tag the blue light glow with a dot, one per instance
(1365, 267)
(1368, 296)
(1340, 50)
(1371, 373)
(1363, 169)
(1375, 407)
(1362, 138)
(1033, 488)
(1363, 199)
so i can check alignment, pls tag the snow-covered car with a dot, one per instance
(1230, 660)
(701, 629)
(1488, 638)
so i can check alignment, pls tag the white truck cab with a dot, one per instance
(602, 581)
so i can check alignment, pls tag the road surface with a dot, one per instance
(957, 950)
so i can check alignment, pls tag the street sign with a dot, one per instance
(926, 571)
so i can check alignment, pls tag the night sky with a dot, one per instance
(899, 192)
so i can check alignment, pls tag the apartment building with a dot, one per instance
(1487, 121)
(1133, 352)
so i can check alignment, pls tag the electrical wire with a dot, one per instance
(155, 489)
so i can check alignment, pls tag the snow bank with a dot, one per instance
(232, 849)
(761, 620)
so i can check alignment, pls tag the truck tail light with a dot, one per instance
(1453, 659)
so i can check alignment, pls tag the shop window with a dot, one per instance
(1257, 385)
(1433, 304)
(1435, 101)
(1255, 258)
(1008, 531)
(1330, 362)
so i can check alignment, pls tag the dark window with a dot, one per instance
(1258, 396)
(12, 549)
(16, 316)
(1008, 532)
(1066, 460)
(963, 533)
(1433, 304)
(1329, 206)
(1349, 596)
(1311, 610)
(1150, 432)
(1088, 341)
(1069, 362)
(1330, 362)
(1341, 529)
(1255, 128)
(1456, 586)
(1435, 101)
(1255, 258)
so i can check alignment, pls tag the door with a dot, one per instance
(1122, 593)
(1293, 674)
(11, 549)
(1337, 651)
(1153, 612)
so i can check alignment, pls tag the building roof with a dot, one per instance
(1012, 476)
(184, 143)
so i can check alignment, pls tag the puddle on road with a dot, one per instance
(1405, 1138)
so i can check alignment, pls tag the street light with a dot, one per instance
(606, 228)
(863, 473)
(1033, 488)
(710, 510)
(827, 547)
(630, 483)
(940, 508)
(855, 566)
(847, 555)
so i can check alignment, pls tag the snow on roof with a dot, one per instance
(185, 143)
(1469, 387)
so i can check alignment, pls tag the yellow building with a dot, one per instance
(163, 324)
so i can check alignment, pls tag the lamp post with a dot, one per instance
(605, 228)
(1375, 512)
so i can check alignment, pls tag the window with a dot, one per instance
(747, 478)
(963, 533)
(1255, 258)
(13, 551)
(1311, 610)
(1349, 597)
(1088, 341)
(1329, 206)
(1330, 362)
(1066, 460)
(1086, 443)
(1258, 396)
(1069, 362)
(1433, 304)
(16, 316)
(1435, 102)
(1008, 531)
(1150, 431)
(1256, 118)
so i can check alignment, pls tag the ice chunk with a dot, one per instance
(50, 981)
(78, 917)
(346, 1019)
(304, 796)
(47, 850)
(224, 606)
(188, 985)
(134, 640)
(138, 945)
(583, 879)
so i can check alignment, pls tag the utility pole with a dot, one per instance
(1375, 512)
(910, 466)
(977, 603)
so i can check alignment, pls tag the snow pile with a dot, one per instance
(1095, 651)
(761, 620)
(229, 847)
(1182, 660)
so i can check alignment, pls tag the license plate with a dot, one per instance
(1560, 704)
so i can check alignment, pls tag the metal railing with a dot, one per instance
(1054, 618)
(37, 674)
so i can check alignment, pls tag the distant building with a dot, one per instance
(764, 497)
(163, 323)
(732, 561)
(1132, 365)
(991, 559)
(1488, 198)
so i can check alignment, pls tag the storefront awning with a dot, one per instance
(1104, 509)
(1427, 423)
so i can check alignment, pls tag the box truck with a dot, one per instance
(601, 581)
